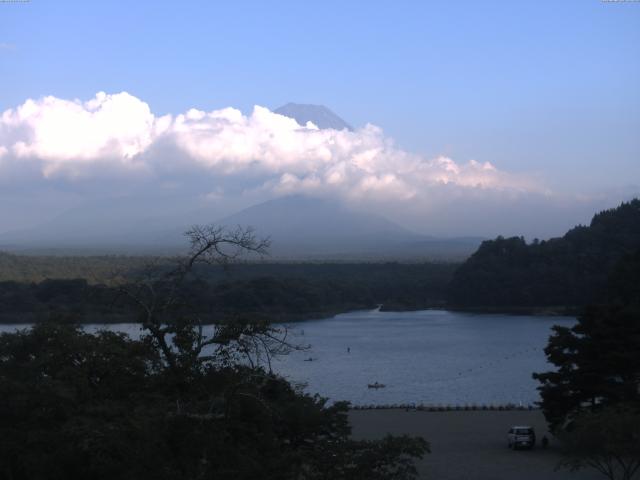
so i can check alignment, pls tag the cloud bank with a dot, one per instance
(114, 152)
(53, 139)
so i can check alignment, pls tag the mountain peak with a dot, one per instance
(319, 115)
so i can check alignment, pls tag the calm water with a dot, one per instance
(429, 357)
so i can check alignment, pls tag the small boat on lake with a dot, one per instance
(376, 385)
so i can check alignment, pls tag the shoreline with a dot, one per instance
(466, 407)
(541, 311)
(27, 318)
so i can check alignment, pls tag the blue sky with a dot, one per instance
(549, 86)
(546, 88)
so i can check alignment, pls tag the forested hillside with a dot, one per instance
(94, 269)
(570, 271)
(277, 291)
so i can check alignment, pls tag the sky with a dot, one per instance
(498, 108)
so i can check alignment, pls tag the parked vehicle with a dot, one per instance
(521, 436)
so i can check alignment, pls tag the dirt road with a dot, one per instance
(470, 445)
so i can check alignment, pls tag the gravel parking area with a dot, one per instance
(470, 445)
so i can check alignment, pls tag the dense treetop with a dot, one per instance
(592, 397)
(569, 271)
(598, 359)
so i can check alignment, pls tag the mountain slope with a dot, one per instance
(302, 227)
(319, 115)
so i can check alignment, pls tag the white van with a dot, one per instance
(521, 436)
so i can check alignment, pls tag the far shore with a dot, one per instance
(543, 311)
(27, 318)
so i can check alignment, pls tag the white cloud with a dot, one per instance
(72, 135)
(70, 139)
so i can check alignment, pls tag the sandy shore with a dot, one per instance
(470, 445)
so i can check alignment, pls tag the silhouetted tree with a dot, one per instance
(607, 441)
(186, 401)
(598, 359)
(592, 399)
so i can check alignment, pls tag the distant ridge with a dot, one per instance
(301, 228)
(319, 115)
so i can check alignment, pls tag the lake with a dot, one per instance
(430, 357)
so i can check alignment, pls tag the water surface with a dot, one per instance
(428, 357)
